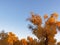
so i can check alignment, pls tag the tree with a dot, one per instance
(16, 42)
(45, 33)
(23, 42)
(30, 40)
(12, 38)
(3, 38)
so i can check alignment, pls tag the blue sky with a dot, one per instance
(13, 14)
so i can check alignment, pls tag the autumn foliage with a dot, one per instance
(44, 31)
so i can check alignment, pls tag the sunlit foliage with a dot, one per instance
(47, 32)
(44, 32)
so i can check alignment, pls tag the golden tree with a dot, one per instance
(23, 42)
(30, 40)
(46, 32)
(12, 38)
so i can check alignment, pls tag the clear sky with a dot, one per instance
(13, 14)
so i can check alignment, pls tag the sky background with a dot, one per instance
(13, 14)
